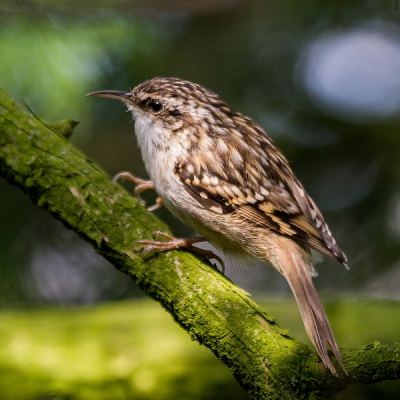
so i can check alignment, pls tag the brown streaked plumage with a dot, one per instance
(221, 174)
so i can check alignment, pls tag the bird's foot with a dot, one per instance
(142, 185)
(179, 243)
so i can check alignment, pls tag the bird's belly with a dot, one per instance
(184, 207)
(223, 231)
(215, 228)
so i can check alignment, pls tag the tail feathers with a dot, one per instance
(296, 271)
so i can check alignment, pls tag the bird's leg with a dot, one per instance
(142, 185)
(173, 243)
(179, 243)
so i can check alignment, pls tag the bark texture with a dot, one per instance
(267, 362)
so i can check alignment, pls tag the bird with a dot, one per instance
(220, 173)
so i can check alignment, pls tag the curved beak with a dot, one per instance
(113, 94)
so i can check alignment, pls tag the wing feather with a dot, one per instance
(258, 185)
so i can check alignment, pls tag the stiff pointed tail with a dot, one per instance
(296, 266)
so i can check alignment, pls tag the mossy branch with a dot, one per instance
(267, 362)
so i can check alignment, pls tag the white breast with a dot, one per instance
(160, 152)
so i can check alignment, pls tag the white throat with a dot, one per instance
(151, 140)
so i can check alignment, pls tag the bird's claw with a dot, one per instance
(178, 243)
(142, 185)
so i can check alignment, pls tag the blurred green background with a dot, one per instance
(322, 77)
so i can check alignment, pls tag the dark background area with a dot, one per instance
(322, 77)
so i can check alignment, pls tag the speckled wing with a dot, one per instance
(265, 193)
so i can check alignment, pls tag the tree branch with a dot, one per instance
(267, 362)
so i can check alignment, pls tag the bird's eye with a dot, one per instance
(155, 106)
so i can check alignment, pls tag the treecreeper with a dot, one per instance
(220, 173)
